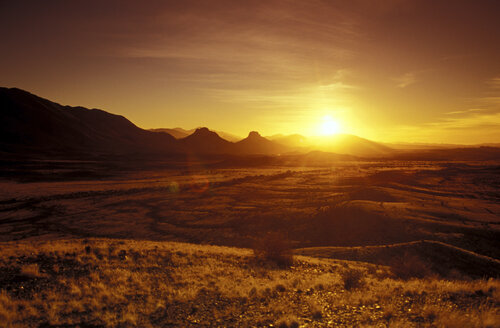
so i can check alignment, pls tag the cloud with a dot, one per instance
(490, 98)
(405, 80)
(472, 129)
(471, 110)
(337, 86)
(473, 121)
(494, 83)
(338, 82)
(258, 43)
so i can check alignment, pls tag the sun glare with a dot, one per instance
(329, 126)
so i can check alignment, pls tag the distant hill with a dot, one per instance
(345, 144)
(180, 133)
(34, 126)
(31, 124)
(352, 145)
(292, 140)
(481, 153)
(430, 146)
(228, 136)
(204, 141)
(177, 133)
(402, 146)
(256, 144)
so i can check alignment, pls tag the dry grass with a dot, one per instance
(114, 283)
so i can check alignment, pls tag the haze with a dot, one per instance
(413, 71)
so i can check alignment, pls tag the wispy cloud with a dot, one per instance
(236, 49)
(471, 110)
(490, 98)
(494, 83)
(405, 80)
(468, 122)
(483, 119)
(339, 82)
(337, 86)
(472, 129)
(468, 126)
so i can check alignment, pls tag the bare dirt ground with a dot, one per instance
(444, 216)
(349, 204)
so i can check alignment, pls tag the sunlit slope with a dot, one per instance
(123, 283)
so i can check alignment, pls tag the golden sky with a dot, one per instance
(393, 70)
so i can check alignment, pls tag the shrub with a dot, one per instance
(352, 279)
(31, 271)
(288, 324)
(410, 266)
(274, 247)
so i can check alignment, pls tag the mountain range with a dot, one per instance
(180, 133)
(31, 125)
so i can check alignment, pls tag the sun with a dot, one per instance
(329, 126)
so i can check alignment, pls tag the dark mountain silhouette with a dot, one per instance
(256, 144)
(177, 133)
(204, 141)
(34, 126)
(30, 124)
(180, 133)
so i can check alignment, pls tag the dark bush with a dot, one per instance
(286, 324)
(410, 266)
(352, 279)
(274, 247)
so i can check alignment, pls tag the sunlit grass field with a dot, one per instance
(123, 283)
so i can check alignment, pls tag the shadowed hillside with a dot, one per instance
(442, 258)
(30, 124)
(34, 127)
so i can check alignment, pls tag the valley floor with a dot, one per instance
(382, 243)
